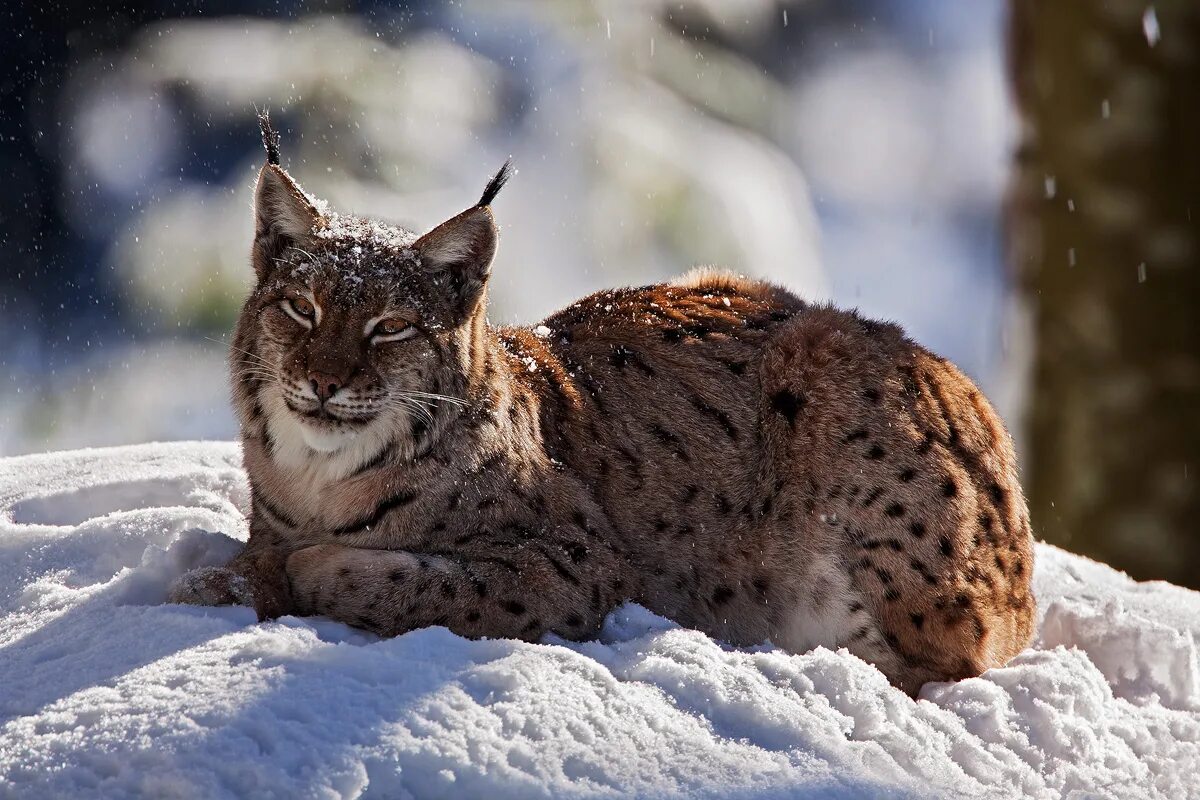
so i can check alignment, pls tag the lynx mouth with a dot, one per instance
(324, 418)
(324, 432)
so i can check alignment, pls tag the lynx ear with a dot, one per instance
(283, 217)
(283, 214)
(462, 247)
(280, 206)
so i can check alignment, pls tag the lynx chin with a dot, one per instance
(714, 448)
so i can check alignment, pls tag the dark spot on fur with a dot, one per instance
(872, 497)
(722, 595)
(761, 586)
(894, 510)
(855, 607)
(396, 576)
(891, 595)
(926, 443)
(736, 367)
(871, 395)
(876, 452)
(576, 552)
(945, 546)
(854, 436)
(918, 620)
(472, 616)
(996, 492)
(689, 493)
(397, 500)
(885, 577)
(720, 416)
(949, 488)
(907, 475)
(622, 356)
(448, 589)
(920, 568)
(453, 501)
(787, 404)
(670, 441)
(573, 621)
(917, 528)
(513, 607)
(723, 504)
(660, 524)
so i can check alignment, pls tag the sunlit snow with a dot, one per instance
(106, 691)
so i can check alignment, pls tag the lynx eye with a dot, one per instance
(300, 309)
(390, 330)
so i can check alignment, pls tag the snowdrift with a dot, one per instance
(106, 691)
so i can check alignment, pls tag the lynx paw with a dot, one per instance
(212, 586)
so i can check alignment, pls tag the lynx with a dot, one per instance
(715, 449)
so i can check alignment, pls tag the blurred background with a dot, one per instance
(1015, 182)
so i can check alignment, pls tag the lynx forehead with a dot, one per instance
(715, 449)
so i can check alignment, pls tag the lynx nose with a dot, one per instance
(324, 384)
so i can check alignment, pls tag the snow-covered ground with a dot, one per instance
(106, 691)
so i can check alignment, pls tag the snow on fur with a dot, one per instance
(106, 691)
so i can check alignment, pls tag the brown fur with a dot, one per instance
(716, 449)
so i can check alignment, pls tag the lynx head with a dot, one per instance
(356, 333)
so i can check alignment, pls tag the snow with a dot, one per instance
(107, 691)
(1150, 26)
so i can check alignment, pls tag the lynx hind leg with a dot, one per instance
(908, 474)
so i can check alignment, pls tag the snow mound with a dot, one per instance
(106, 691)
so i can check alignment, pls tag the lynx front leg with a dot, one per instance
(390, 592)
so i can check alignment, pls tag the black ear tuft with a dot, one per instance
(496, 184)
(270, 137)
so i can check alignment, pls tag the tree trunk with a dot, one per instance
(1104, 236)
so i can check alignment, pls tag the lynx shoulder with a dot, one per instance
(716, 449)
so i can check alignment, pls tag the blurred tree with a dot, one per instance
(1104, 234)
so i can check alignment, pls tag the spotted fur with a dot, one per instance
(714, 448)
